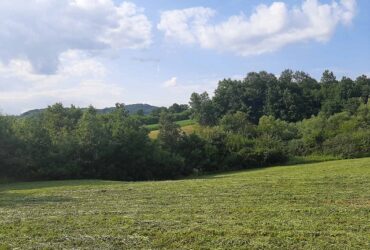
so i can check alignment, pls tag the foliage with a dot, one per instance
(259, 121)
(292, 97)
(169, 132)
(204, 110)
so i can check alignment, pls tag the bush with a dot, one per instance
(297, 147)
(269, 151)
(193, 149)
(352, 145)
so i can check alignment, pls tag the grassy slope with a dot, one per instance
(312, 206)
(183, 123)
(188, 126)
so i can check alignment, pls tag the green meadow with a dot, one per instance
(183, 123)
(187, 126)
(309, 206)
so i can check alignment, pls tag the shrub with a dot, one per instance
(270, 151)
(297, 147)
(352, 145)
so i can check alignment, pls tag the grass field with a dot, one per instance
(187, 126)
(311, 206)
(183, 123)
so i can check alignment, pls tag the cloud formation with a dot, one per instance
(79, 80)
(268, 29)
(41, 30)
(170, 83)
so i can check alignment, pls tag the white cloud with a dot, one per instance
(186, 88)
(268, 29)
(41, 30)
(170, 83)
(181, 92)
(79, 80)
(183, 24)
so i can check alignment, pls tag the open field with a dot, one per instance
(187, 126)
(187, 129)
(183, 123)
(311, 206)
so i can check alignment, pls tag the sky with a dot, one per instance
(100, 52)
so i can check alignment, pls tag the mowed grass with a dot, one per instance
(311, 206)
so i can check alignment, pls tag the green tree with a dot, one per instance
(238, 123)
(169, 132)
(254, 93)
(362, 86)
(270, 127)
(328, 78)
(228, 97)
(204, 110)
(92, 141)
(11, 166)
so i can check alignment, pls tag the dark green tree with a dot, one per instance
(169, 132)
(204, 110)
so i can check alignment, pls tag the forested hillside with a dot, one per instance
(254, 122)
(131, 109)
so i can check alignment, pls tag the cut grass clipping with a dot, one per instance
(311, 206)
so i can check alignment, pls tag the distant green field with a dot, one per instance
(311, 206)
(187, 129)
(183, 123)
(188, 126)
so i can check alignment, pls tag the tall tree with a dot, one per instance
(92, 141)
(169, 132)
(203, 108)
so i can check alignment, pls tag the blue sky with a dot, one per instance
(101, 52)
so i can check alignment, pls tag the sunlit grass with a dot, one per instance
(188, 129)
(310, 206)
(153, 127)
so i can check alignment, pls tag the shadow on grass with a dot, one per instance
(54, 184)
(297, 161)
(311, 159)
(291, 163)
(13, 200)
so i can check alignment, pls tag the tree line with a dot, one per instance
(255, 122)
(292, 97)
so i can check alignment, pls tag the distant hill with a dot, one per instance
(131, 108)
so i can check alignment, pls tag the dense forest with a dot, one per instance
(258, 121)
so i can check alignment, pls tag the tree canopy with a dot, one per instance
(258, 121)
